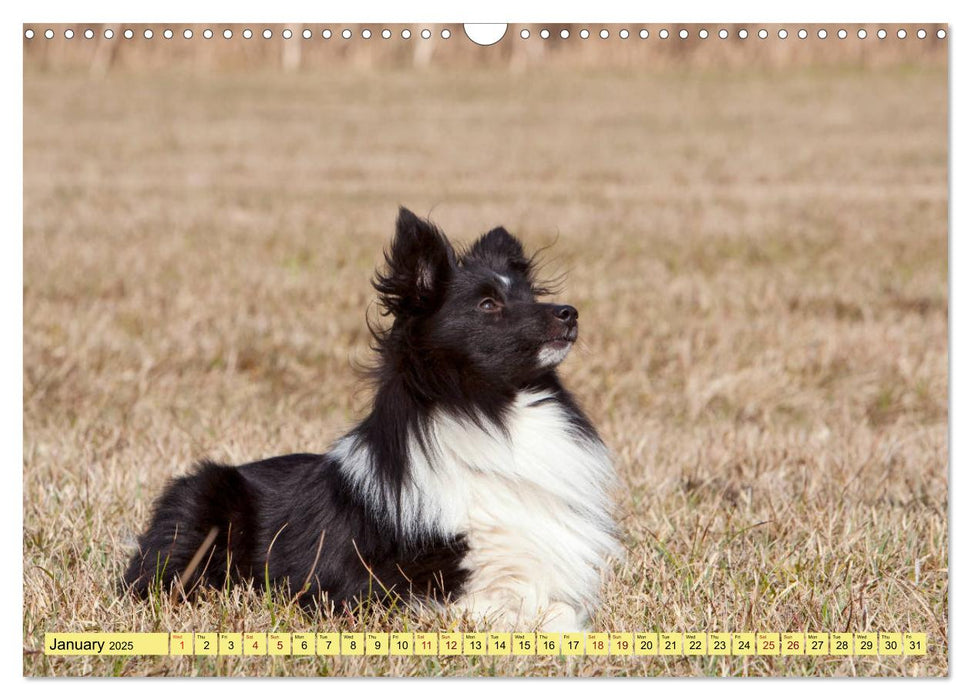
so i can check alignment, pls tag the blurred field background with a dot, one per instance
(755, 234)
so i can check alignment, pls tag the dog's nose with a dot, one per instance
(566, 313)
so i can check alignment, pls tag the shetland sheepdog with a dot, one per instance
(476, 481)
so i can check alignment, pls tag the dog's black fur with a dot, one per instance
(298, 519)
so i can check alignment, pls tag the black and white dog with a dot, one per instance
(475, 480)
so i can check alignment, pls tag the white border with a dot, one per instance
(439, 11)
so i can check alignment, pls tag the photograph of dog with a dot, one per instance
(475, 479)
(347, 331)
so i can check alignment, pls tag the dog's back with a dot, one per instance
(294, 520)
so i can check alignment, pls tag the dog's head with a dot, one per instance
(475, 311)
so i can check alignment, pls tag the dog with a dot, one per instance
(476, 480)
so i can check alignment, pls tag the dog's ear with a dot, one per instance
(500, 247)
(417, 268)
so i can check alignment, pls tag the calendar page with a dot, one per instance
(544, 350)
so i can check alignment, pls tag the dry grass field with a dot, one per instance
(759, 258)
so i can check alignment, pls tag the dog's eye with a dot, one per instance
(489, 304)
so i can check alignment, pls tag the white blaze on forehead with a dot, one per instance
(551, 355)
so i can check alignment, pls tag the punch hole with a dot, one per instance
(405, 33)
(663, 33)
(29, 34)
(426, 34)
(306, 34)
(722, 33)
(564, 34)
(49, 34)
(89, 34)
(207, 34)
(941, 34)
(624, 33)
(523, 34)
(763, 34)
(841, 34)
(227, 33)
(703, 33)
(544, 34)
(683, 34)
(148, 34)
(168, 34)
(346, 34)
(861, 33)
(327, 34)
(881, 34)
(921, 34)
(743, 33)
(287, 33)
(584, 33)
(901, 33)
(446, 33)
(803, 34)
(366, 34)
(247, 33)
(821, 33)
(644, 34)
(604, 33)
(783, 34)
(267, 34)
(385, 33)
(129, 33)
(110, 34)
(485, 34)
(68, 33)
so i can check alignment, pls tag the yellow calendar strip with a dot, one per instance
(352, 644)
(206, 643)
(475, 643)
(695, 644)
(547, 643)
(500, 643)
(304, 644)
(328, 644)
(768, 643)
(817, 643)
(524, 643)
(572, 644)
(371, 644)
(377, 643)
(719, 643)
(891, 644)
(426, 643)
(621, 643)
(449, 643)
(645, 643)
(597, 643)
(841, 643)
(254, 644)
(793, 644)
(106, 644)
(402, 643)
(866, 643)
(279, 644)
(915, 643)
(230, 644)
(669, 643)
(180, 644)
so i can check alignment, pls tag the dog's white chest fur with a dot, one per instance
(533, 503)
